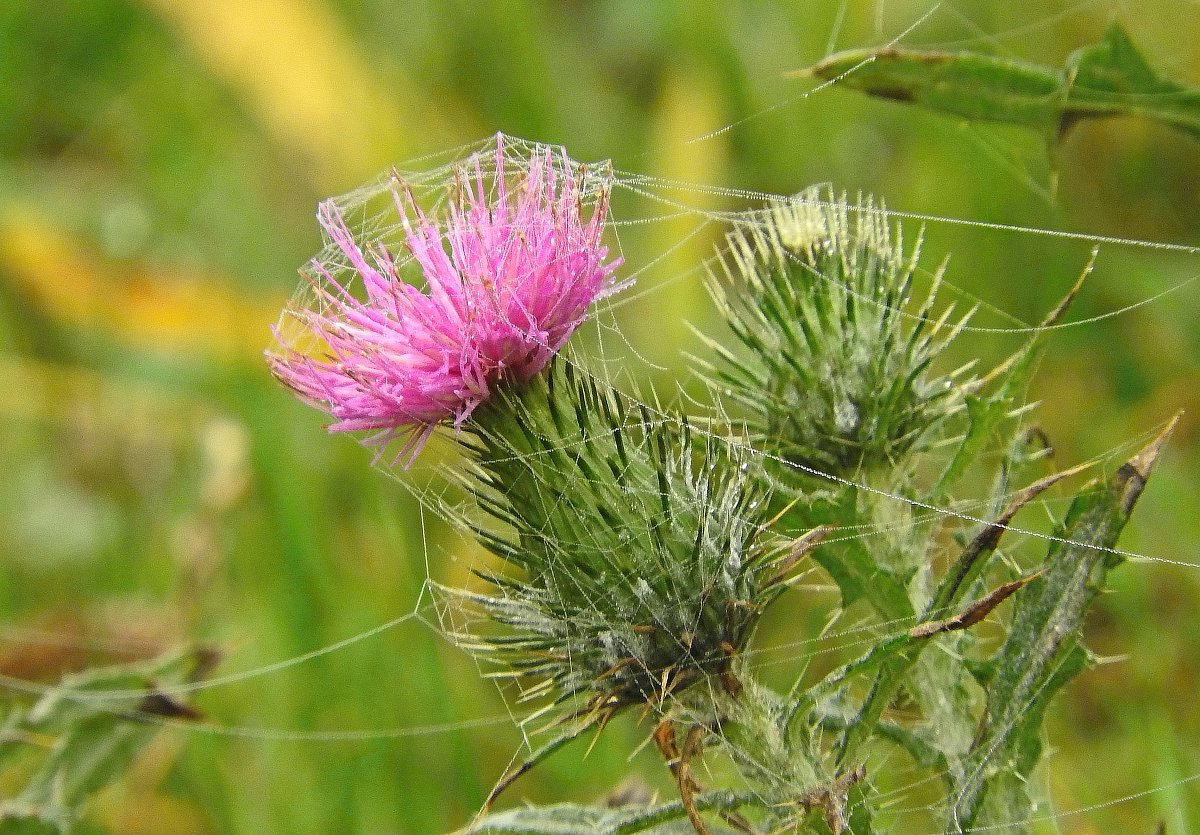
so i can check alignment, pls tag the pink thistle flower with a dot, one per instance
(509, 277)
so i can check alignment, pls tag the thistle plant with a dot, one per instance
(640, 546)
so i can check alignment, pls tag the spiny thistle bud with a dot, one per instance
(510, 273)
(835, 378)
(639, 561)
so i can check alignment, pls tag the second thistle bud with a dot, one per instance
(836, 373)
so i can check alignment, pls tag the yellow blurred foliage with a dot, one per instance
(299, 70)
(167, 312)
(59, 394)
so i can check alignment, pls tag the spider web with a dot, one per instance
(608, 351)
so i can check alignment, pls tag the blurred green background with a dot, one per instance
(160, 165)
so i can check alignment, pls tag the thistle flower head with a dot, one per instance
(836, 376)
(509, 273)
(639, 559)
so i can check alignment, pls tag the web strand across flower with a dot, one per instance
(509, 272)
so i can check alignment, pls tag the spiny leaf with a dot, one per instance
(972, 561)
(1042, 651)
(974, 612)
(892, 658)
(78, 743)
(1109, 78)
(571, 819)
(986, 413)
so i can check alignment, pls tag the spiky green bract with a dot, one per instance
(836, 376)
(638, 565)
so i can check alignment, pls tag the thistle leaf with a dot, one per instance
(1108, 78)
(75, 740)
(1042, 651)
(572, 819)
(987, 413)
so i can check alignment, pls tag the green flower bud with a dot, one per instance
(836, 376)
